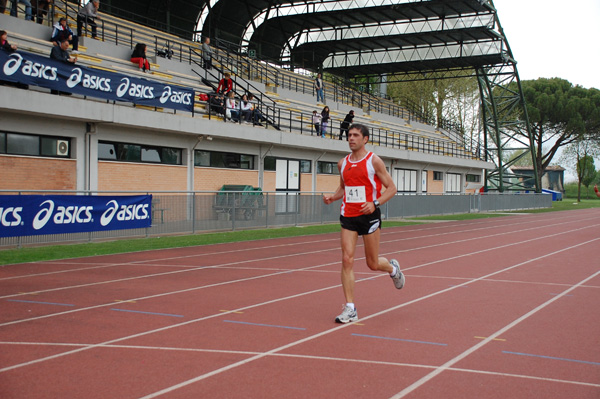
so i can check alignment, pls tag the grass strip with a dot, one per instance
(66, 251)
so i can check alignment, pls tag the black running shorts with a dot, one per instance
(363, 224)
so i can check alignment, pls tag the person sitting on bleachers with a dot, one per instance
(61, 31)
(257, 116)
(4, 44)
(225, 84)
(139, 57)
(246, 108)
(60, 52)
(217, 104)
(40, 8)
(231, 108)
(88, 15)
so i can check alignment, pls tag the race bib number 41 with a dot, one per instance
(355, 194)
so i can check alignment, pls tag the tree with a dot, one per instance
(586, 173)
(522, 155)
(579, 156)
(559, 114)
(440, 99)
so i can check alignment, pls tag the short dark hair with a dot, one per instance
(362, 128)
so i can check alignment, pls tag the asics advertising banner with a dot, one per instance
(27, 215)
(35, 70)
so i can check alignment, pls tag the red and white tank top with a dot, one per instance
(361, 184)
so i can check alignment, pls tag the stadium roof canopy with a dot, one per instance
(391, 40)
(345, 37)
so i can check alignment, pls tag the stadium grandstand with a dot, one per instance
(102, 125)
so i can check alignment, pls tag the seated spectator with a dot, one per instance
(88, 15)
(4, 44)
(139, 57)
(225, 84)
(246, 108)
(63, 31)
(60, 52)
(257, 116)
(14, 12)
(9, 48)
(231, 108)
(40, 8)
(217, 104)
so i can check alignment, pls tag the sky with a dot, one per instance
(554, 38)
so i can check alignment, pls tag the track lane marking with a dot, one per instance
(503, 330)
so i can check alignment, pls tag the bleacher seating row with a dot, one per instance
(297, 110)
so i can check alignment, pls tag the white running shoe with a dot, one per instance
(398, 278)
(348, 315)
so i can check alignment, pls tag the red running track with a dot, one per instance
(492, 308)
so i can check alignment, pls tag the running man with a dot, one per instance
(362, 174)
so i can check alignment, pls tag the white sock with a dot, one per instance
(351, 305)
(393, 273)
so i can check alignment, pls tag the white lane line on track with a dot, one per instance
(326, 332)
(498, 333)
(187, 269)
(262, 248)
(274, 301)
(309, 357)
(267, 275)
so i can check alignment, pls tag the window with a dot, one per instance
(406, 180)
(108, 151)
(327, 168)
(270, 163)
(217, 159)
(453, 183)
(28, 144)
(438, 176)
(23, 144)
(473, 178)
(305, 165)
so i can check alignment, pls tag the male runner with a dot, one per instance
(362, 174)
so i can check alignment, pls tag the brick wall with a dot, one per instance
(141, 177)
(434, 186)
(269, 181)
(213, 179)
(22, 173)
(327, 183)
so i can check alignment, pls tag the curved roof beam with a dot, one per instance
(419, 54)
(284, 10)
(392, 30)
(204, 14)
